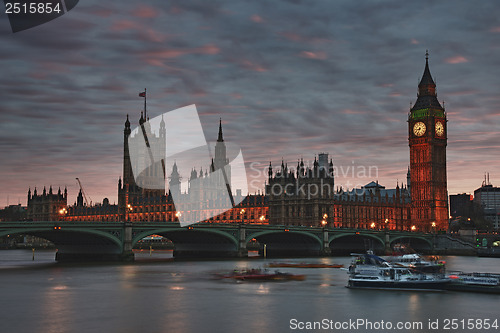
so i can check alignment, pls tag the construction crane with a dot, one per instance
(83, 192)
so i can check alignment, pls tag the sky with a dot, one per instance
(289, 79)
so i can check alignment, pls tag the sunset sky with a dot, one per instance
(289, 79)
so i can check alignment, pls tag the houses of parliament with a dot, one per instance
(304, 195)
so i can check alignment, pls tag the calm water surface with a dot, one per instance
(180, 296)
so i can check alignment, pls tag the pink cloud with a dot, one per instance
(174, 53)
(144, 11)
(253, 66)
(456, 60)
(495, 29)
(313, 55)
(257, 19)
(291, 36)
(122, 25)
(414, 41)
(350, 111)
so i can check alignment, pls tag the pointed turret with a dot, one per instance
(220, 137)
(426, 97)
(127, 122)
(141, 120)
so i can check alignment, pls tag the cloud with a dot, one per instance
(256, 18)
(456, 60)
(70, 83)
(313, 55)
(144, 11)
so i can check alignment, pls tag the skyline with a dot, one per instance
(288, 80)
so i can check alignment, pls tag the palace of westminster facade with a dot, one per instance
(301, 196)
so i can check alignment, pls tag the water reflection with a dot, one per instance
(181, 297)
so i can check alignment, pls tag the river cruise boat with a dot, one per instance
(404, 256)
(372, 272)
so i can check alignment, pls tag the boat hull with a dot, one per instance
(474, 288)
(399, 285)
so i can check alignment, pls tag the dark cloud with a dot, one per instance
(289, 79)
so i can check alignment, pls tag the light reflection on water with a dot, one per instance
(181, 296)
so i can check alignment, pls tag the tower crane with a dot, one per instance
(83, 192)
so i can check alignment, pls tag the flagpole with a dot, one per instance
(145, 97)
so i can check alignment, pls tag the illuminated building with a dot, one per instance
(46, 206)
(307, 197)
(304, 196)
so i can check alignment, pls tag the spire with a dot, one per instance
(141, 121)
(427, 77)
(127, 122)
(220, 138)
(426, 97)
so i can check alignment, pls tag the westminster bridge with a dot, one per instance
(113, 241)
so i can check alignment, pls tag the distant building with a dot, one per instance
(13, 213)
(489, 198)
(460, 205)
(47, 206)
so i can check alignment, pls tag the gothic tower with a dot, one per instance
(427, 137)
(221, 161)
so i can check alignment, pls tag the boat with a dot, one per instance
(304, 265)
(369, 271)
(256, 274)
(474, 282)
(403, 256)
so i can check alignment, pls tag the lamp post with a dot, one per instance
(242, 213)
(129, 209)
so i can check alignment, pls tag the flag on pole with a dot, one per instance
(142, 94)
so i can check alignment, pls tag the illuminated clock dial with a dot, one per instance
(439, 128)
(419, 128)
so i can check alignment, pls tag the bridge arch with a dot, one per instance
(286, 243)
(346, 243)
(418, 243)
(73, 243)
(195, 242)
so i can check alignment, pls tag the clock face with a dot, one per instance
(419, 129)
(439, 128)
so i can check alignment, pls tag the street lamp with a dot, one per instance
(129, 210)
(242, 212)
(433, 226)
(413, 228)
(372, 225)
(324, 222)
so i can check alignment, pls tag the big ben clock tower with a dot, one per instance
(427, 136)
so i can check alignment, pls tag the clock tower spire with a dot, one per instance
(427, 139)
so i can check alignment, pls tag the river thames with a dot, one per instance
(181, 296)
